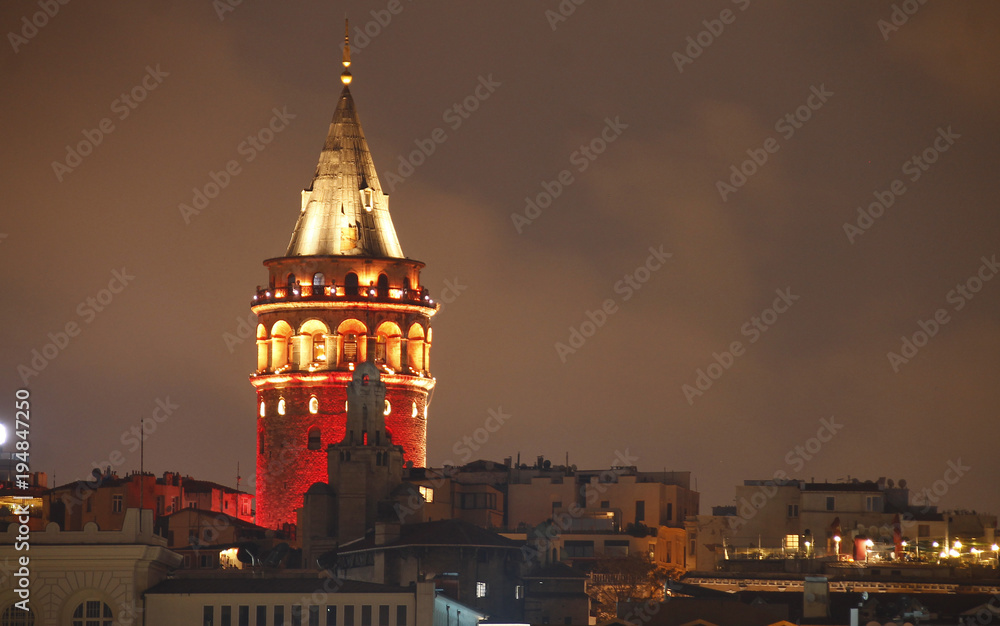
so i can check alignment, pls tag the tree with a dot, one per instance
(631, 578)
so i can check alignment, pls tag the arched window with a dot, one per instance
(281, 406)
(92, 613)
(318, 282)
(351, 285)
(281, 334)
(388, 407)
(13, 616)
(291, 281)
(263, 411)
(382, 286)
(313, 405)
(314, 438)
(388, 346)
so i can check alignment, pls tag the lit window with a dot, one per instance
(262, 412)
(388, 408)
(427, 493)
(313, 405)
(480, 590)
(518, 592)
(791, 542)
(414, 414)
(319, 347)
(92, 613)
(281, 406)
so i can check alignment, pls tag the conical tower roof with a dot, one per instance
(344, 211)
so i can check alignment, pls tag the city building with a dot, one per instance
(87, 573)
(343, 294)
(304, 600)
(106, 497)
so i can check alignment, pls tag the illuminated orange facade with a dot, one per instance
(342, 295)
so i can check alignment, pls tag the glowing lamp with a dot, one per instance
(3, 439)
(869, 543)
(958, 544)
(953, 552)
(935, 544)
(995, 547)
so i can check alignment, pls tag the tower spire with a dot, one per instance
(345, 76)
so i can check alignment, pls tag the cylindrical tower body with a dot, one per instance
(318, 318)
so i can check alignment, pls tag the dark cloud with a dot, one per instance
(495, 344)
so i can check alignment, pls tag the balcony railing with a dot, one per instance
(340, 293)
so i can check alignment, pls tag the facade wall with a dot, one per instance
(187, 609)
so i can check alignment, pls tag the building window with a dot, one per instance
(279, 616)
(616, 547)
(296, 615)
(314, 438)
(640, 511)
(383, 615)
(873, 504)
(331, 615)
(401, 615)
(670, 511)
(652, 551)
(243, 616)
(14, 616)
(366, 615)
(207, 616)
(349, 615)
(262, 411)
(226, 616)
(313, 405)
(518, 592)
(160, 502)
(319, 347)
(206, 560)
(793, 510)
(480, 589)
(792, 542)
(579, 549)
(831, 503)
(116, 503)
(261, 616)
(427, 493)
(314, 616)
(350, 348)
(245, 506)
(281, 406)
(605, 504)
(694, 546)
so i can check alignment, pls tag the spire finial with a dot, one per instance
(345, 76)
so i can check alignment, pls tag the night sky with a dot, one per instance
(736, 139)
